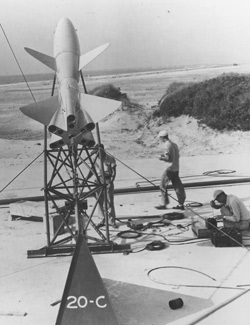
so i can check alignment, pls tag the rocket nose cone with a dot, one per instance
(64, 22)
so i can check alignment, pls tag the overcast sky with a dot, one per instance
(142, 33)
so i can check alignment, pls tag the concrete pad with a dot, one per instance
(31, 285)
(27, 209)
(156, 301)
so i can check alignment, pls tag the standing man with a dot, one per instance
(171, 156)
(109, 168)
(233, 211)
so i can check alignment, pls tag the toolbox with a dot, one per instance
(226, 237)
(203, 228)
(211, 223)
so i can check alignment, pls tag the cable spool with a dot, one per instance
(219, 172)
(176, 303)
(194, 205)
(129, 234)
(155, 224)
(155, 245)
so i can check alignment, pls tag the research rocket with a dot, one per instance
(72, 113)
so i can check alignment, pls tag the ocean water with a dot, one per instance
(12, 79)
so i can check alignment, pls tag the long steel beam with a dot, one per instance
(134, 190)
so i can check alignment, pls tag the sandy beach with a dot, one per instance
(131, 136)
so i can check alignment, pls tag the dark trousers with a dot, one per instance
(240, 225)
(168, 176)
(110, 203)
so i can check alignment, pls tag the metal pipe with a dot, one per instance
(45, 188)
(46, 173)
(79, 223)
(134, 190)
(104, 182)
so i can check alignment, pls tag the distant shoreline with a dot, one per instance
(14, 79)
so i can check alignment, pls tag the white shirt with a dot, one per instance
(109, 164)
(238, 209)
(172, 151)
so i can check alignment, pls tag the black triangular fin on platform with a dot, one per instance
(85, 299)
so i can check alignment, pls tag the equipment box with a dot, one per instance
(211, 223)
(226, 237)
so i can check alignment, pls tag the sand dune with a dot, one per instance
(127, 133)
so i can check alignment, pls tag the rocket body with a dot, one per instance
(70, 114)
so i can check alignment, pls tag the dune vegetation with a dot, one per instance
(222, 103)
(112, 92)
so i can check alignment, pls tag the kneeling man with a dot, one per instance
(233, 211)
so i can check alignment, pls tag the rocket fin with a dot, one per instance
(56, 142)
(44, 58)
(42, 111)
(98, 107)
(86, 140)
(91, 55)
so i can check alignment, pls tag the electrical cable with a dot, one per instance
(188, 241)
(141, 250)
(129, 234)
(178, 267)
(187, 285)
(193, 204)
(155, 245)
(135, 234)
(187, 206)
(179, 242)
(153, 234)
(121, 221)
(219, 172)
(154, 224)
(207, 173)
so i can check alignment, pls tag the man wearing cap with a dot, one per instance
(171, 157)
(109, 170)
(233, 211)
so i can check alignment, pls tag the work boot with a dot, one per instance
(101, 223)
(179, 207)
(161, 207)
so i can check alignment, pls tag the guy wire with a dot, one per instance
(17, 63)
(21, 172)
